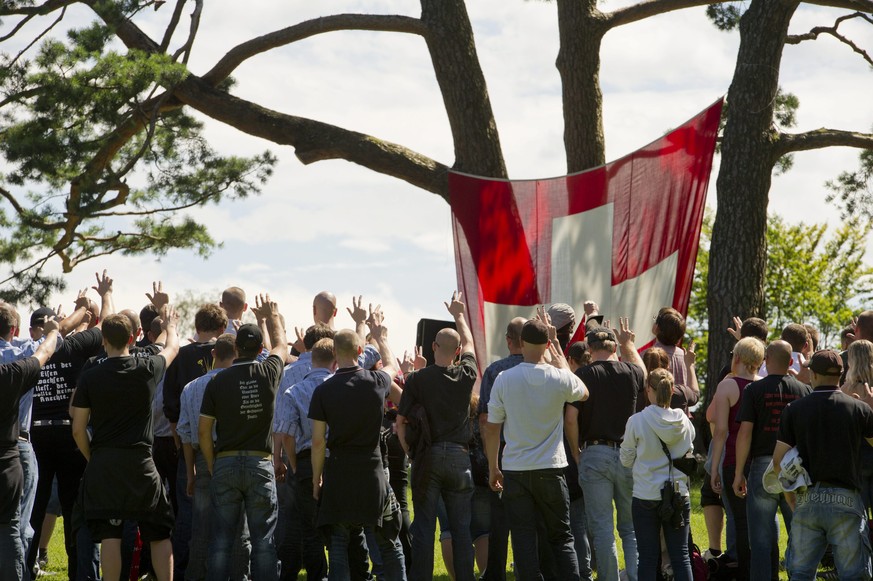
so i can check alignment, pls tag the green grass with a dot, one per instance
(58, 561)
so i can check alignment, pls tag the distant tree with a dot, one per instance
(813, 274)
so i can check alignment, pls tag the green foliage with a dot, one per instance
(99, 160)
(813, 275)
(725, 16)
(853, 190)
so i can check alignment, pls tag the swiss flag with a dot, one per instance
(624, 235)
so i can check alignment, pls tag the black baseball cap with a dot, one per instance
(40, 316)
(249, 338)
(599, 335)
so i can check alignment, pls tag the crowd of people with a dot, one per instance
(244, 453)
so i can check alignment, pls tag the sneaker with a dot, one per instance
(43, 559)
(708, 556)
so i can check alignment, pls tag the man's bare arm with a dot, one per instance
(319, 445)
(204, 436)
(104, 289)
(458, 309)
(379, 333)
(626, 339)
(270, 311)
(571, 430)
(80, 430)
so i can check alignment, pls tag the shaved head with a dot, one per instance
(513, 333)
(778, 357)
(446, 343)
(324, 307)
(346, 344)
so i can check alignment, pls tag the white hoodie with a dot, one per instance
(641, 449)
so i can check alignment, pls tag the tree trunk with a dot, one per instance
(581, 27)
(452, 49)
(739, 234)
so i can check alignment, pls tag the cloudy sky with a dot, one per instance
(334, 225)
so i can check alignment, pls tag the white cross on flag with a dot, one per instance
(624, 235)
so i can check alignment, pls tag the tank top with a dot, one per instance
(730, 446)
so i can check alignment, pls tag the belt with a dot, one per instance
(610, 443)
(42, 423)
(235, 453)
(23, 436)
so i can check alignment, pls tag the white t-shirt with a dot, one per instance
(529, 400)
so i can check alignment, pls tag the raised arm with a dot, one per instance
(104, 289)
(690, 358)
(70, 322)
(47, 348)
(359, 316)
(169, 320)
(458, 309)
(270, 311)
(626, 337)
(379, 333)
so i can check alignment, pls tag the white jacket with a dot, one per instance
(641, 449)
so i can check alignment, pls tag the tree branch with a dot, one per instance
(860, 5)
(23, 214)
(171, 27)
(832, 30)
(185, 49)
(372, 22)
(38, 37)
(820, 138)
(313, 140)
(40, 10)
(649, 8)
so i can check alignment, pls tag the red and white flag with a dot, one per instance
(624, 235)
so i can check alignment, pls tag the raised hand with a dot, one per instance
(543, 315)
(591, 308)
(299, 332)
(407, 364)
(735, 330)
(82, 300)
(264, 307)
(158, 297)
(357, 312)
(374, 322)
(457, 308)
(104, 284)
(420, 360)
(169, 317)
(624, 333)
(690, 355)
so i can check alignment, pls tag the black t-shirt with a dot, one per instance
(612, 398)
(762, 404)
(135, 351)
(119, 393)
(351, 402)
(444, 393)
(15, 380)
(242, 400)
(51, 396)
(828, 426)
(193, 360)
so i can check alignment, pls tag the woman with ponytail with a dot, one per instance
(642, 450)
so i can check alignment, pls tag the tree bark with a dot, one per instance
(581, 27)
(452, 49)
(739, 234)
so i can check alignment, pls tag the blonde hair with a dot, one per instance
(656, 358)
(750, 352)
(860, 365)
(661, 381)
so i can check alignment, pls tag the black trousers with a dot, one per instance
(57, 456)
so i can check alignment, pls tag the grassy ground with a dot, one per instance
(58, 563)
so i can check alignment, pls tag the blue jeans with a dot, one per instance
(539, 494)
(648, 527)
(200, 526)
(604, 480)
(243, 484)
(391, 551)
(761, 509)
(451, 479)
(181, 538)
(832, 516)
(579, 526)
(28, 495)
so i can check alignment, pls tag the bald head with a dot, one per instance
(324, 308)
(513, 334)
(134, 320)
(445, 346)
(864, 326)
(778, 357)
(233, 301)
(347, 345)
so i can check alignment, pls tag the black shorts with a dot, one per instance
(708, 497)
(112, 528)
